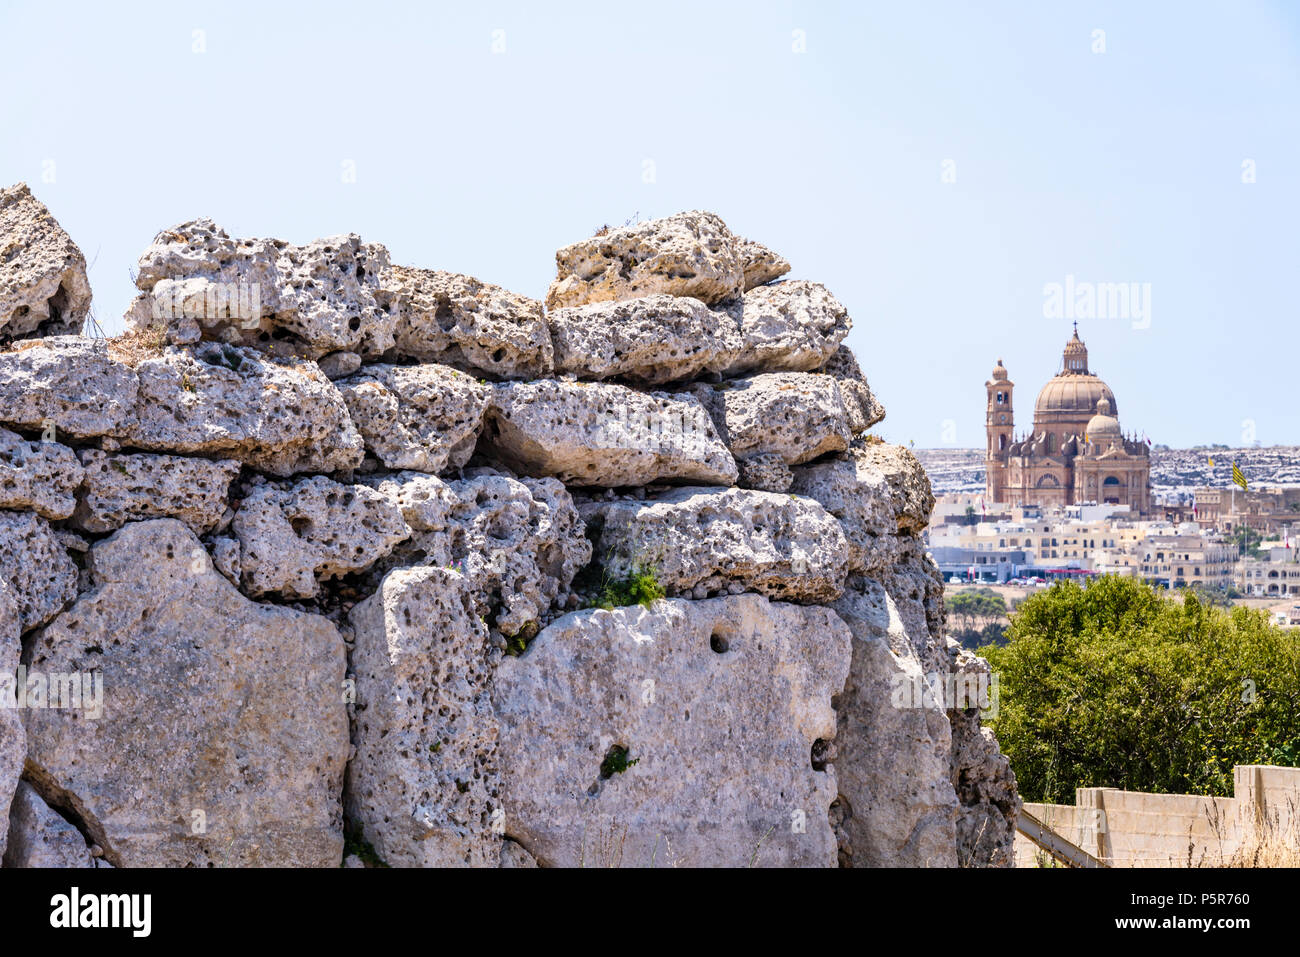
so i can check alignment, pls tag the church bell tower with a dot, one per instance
(999, 424)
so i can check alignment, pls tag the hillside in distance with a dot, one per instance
(1175, 473)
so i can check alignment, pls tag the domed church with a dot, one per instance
(1076, 453)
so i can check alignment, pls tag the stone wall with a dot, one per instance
(354, 561)
(1137, 829)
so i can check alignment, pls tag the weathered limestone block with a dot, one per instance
(788, 326)
(37, 567)
(123, 487)
(459, 321)
(684, 734)
(649, 340)
(66, 384)
(916, 585)
(37, 476)
(689, 254)
(339, 365)
(39, 837)
(425, 417)
(764, 472)
(219, 400)
(881, 495)
(897, 807)
(798, 416)
(982, 775)
(424, 782)
(514, 856)
(43, 286)
(519, 541)
(216, 710)
(863, 408)
(761, 265)
(294, 535)
(13, 739)
(702, 540)
(225, 558)
(602, 434)
(196, 282)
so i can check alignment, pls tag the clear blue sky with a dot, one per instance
(1122, 166)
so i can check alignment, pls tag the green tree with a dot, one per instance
(1114, 685)
(1247, 541)
(974, 609)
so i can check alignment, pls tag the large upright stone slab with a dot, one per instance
(424, 782)
(689, 254)
(601, 434)
(981, 773)
(224, 732)
(687, 734)
(43, 286)
(13, 739)
(39, 837)
(897, 807)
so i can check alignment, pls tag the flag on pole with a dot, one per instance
(1237, 477)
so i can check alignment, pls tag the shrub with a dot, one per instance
(1116, 685)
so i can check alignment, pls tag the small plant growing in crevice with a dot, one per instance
(355, 843)
(517, 643)
(616, 762)
(640, 587)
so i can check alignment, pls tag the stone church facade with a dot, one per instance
(1075, 454)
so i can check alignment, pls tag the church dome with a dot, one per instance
(1074, 393)
(999, 371)
(1103, 428)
